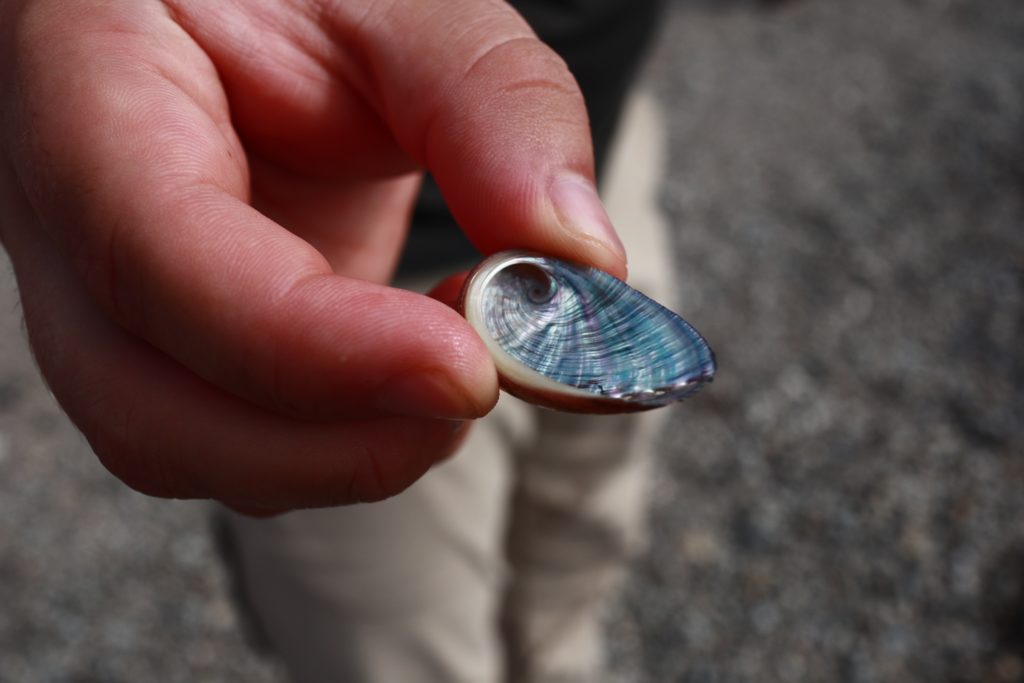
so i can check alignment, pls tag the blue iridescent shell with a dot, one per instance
(572, 337)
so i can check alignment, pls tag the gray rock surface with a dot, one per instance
(846, 503)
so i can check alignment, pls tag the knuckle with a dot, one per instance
(375, 484)
(135, 459)
(392, 467)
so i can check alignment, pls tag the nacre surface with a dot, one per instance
(572, 337)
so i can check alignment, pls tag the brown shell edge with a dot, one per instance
(595, 405)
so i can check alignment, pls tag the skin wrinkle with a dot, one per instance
(107, 435)
(165, 472)
(148, 280)
(362, 36)
(115, 294)
(293, 201)
(440, 111)
(279, 400)
(56, 23)
(32, 154)
(369, 484)
(211, 202)
(357, 67)
(261, 200)
(230, 294)
(263, 50)
(437, 146)
(454, 350)
(323, 52)
(112, 429)
(187, 484)
(211, 209)
(275, 347)
(188, 18)
(85, 254)
(132, 260)
(206, 91)
(281, 303)
(341, 480)
(377, 478)
(282, 398)
(126, 295)
(536, 84)
(368, 40)
(148, 40)
(350, 484)
(220, 117)
(336, 82)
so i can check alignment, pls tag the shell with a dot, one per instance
(572, 337)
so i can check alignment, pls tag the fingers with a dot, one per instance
(374, 213)
(462, 86)
(167, 433)
(495, 116)
(183, 261)
(131, 164)
(223, 332)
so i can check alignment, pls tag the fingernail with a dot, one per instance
(426, 394)
(580, 210)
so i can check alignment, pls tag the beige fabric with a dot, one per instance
(496, 565)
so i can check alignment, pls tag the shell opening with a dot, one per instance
(534, 281)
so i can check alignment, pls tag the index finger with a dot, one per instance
(131, 163)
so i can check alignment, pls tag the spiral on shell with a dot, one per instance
(572, 337)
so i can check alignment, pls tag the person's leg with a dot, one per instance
(576, 522)
(403, 590)
(410, 589)
(579, 487)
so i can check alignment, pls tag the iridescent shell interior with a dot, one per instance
(572, 337)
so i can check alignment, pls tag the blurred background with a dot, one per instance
(845, 503)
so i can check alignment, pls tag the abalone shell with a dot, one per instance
(572, 337)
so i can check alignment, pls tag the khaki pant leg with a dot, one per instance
(405, 590)
(578, 503)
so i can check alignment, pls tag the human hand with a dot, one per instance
(203, 203)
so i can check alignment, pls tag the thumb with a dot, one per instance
(470, 93)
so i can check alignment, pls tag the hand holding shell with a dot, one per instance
(574, 338)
